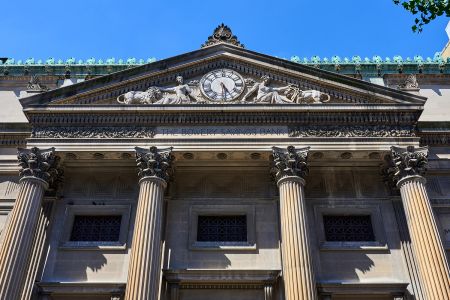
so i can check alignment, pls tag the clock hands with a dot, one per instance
(224, 89)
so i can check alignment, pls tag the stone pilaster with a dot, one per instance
(406, 169)
(289, 169)
(39, 169)
(144, 271)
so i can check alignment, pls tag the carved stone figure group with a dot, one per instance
(189, 93)
(179, 94)
(291, 94)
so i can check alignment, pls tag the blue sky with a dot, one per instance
(142, 29)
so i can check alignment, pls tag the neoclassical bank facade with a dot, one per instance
(224, 173)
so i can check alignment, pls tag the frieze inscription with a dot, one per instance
(133, 132)
(222, 131)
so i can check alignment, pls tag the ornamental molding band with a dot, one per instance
(352, 131)
(405, 162)
(37, 163)
(224, 86)
(288, 162)
(80, 132)
(154, 162)
(222, 34)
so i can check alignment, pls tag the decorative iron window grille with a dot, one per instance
(96, 228)
(222, 229)
(348, 228)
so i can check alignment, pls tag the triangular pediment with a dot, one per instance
(248, 68)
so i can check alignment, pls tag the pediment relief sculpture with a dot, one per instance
(180, 94)
(288, 94)
(224, 86)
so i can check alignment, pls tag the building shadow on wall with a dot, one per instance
(75, 266)
(345, 266)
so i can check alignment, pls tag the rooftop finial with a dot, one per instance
(222, 34)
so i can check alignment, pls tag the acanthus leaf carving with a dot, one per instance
(154, 162)
(289, 162)
(222, 34)
(404, 162)
(37, 163)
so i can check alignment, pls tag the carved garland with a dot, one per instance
(351, 131)
(93, 132)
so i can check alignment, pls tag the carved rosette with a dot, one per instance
(40, 164)
(406, 162)
(154, 162)
(288, 162)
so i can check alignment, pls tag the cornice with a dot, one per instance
(227, 115)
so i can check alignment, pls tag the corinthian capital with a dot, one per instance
(289, 162)
(37, 163)
(154, 162)
(406, 161)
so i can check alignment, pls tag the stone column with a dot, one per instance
(39, 246)
(406, 169)
(144, 271)
(38, 171)
(289, 169)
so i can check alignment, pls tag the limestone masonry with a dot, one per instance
(224, 173)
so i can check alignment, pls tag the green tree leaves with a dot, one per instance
(425, 10)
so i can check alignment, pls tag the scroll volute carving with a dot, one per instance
(154, 162)
(41, 164)
(404, 162)
(289, 162)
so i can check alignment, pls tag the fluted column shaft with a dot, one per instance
(18, 241)
(39, 244)
(289, 167)
(144, 270)
(405, 169)
(298, 270)
(145, 264)
(425, 238)
(39, 170)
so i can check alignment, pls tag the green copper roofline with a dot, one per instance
(375, 65)
(437, 59)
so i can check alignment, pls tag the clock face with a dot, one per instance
(222, 85)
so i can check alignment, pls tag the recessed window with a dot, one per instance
(357, 228)
(101, 228)
(222, 229)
